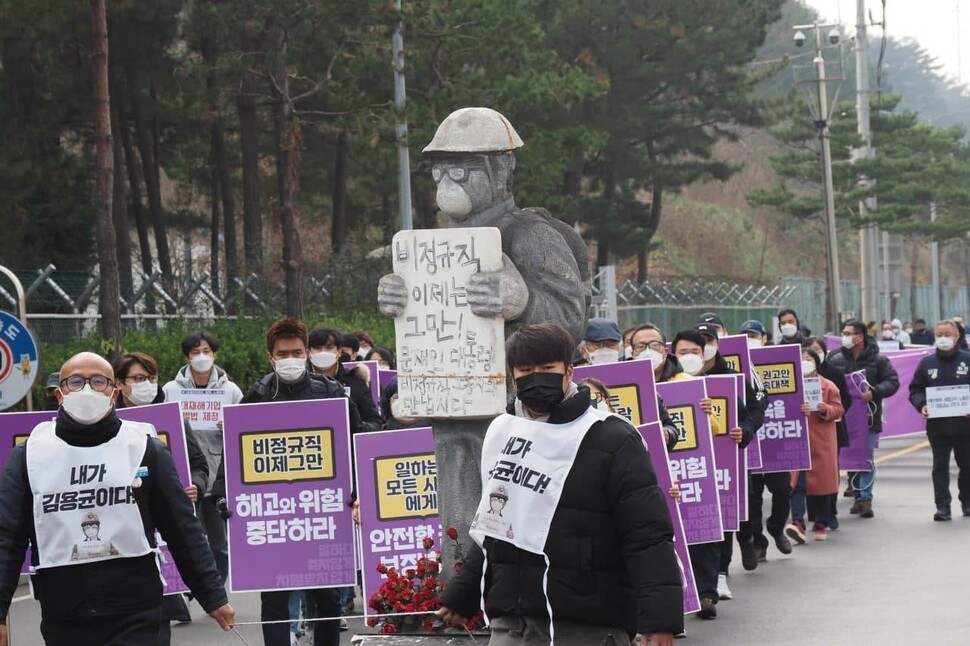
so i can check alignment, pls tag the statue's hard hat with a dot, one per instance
(474, 130)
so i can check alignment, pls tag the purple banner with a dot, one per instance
(692, 464)
(898, 415)
(397, 486)
(832, 342)
(631, 386)
(723, 393)
(653, 435)
(385, 377)
(855, 457)
(373, 381)
(288, 481)
(784, 436)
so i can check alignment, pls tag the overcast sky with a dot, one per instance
(935, 24)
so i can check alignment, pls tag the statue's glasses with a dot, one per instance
(456, 173)
(75, 383)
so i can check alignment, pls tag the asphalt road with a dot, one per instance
(899, 578)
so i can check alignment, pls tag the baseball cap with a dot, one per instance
(752, 325)
(712, 318)
(598, 330)
(54, 380)
(707, 329)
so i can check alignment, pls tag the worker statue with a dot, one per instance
(545, 277)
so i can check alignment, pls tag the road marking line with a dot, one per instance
(919, 446)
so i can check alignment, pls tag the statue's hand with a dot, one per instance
(498, 293)
(392, 295)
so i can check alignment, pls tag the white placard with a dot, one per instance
(888, 346)
(813, 391)
(948, 401)
(202, 407)
(450, 362)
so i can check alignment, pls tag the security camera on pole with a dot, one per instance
(822, 112)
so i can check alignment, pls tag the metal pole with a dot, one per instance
(835, 297)
(868, 234)
(935, 257)
(22, 312)
(401, 128)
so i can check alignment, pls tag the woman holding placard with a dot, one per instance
(822, 480)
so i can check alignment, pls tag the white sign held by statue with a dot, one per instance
(451, 363)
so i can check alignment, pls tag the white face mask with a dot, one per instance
(653, 355)
(908, 330)
(848, 341)
(753, 342)
(86, 406)
(453, 200)
(323, 360)
(808, 367)
(628, 352)
(944, 343)
(603, 355)
(290, 370)
(710, 351)
(202, 363)
(363, 352)
(889, 335)
(691, 363)
(788, 330)
(143, 393)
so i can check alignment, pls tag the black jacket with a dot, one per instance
(360, 395)
(926, 337)
(879, 371)
(938, 369)
(751, 413)
(119, 586)
(610, 546)
(198, 465)
(836, 376)
(271, 389)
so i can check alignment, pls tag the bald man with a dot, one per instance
(84, 464)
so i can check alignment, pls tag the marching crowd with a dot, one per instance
(115, 597)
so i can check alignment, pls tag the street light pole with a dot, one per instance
(869, 232)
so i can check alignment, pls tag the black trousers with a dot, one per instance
(943, 445)
(705, 559)
(321, 602)
(779, 485)
(135, 629)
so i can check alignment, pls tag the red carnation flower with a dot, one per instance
(453, 533)
(381, 568)
(429, 625)
(371, 621)
(459, 565)
(433, 566)
(428, 542)
(389, 629)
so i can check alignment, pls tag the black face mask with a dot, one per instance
(540, 391)
(345, 358)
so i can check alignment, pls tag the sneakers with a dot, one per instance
(708, 608)
(796, 531)
(834, 523)
(762, 552)
(943, 513)
(749, 557)
(820, 532)
(856, 507)
(723, 591)
(681, 635)
(782, 543)
(865, 509)
(344, 625)
(849, 492)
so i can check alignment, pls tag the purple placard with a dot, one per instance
(723, 393)
(653, 435)
(385, 377)
(397, 485)
(692, 462)
(898, 415)
(832, 342)
(375, 380)
(743, 481)
(855, 457)
(170, 428)
(631, 387)
(784, 436)
(734, 349)
(288, 481)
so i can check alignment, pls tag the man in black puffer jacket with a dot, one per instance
(287, 342)
(612, 568)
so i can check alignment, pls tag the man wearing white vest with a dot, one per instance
(581, 550)
(88, 491)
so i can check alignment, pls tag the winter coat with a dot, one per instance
(610, 545)
(115, 587)
(823, 478)
(209, 440)
(879, 371)
(939, 369)
(926, 337)
(836, 376)
(357, 383)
